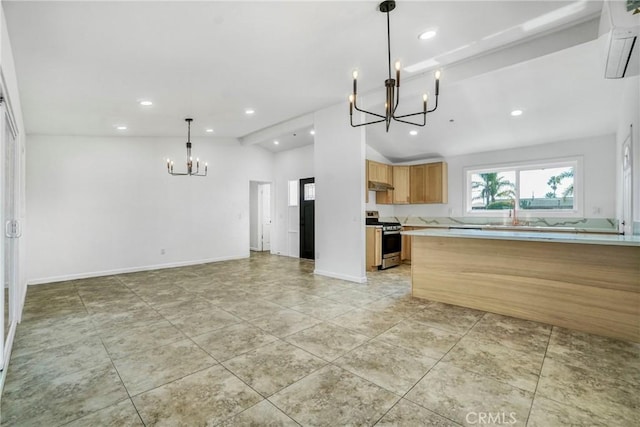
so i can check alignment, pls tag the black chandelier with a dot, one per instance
(190, 171)
(393, 89)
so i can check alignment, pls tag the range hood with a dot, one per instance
(379, 186)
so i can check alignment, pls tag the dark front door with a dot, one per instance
(307, 202)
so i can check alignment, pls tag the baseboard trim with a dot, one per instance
(347, 277)
(89, 275)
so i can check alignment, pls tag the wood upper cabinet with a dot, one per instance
(378, 172)
(386, 197)
(400, 193)
(428, 183)
(425, 183)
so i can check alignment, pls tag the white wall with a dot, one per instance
(288, 165)
(339, 159)
(98, 205)
(629, 114)
(599, 164)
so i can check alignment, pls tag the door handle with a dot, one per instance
(12, 229)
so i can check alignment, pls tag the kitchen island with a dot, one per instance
(588, 282)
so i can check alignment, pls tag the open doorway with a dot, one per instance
(260, 216)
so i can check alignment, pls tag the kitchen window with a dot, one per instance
(550, 188)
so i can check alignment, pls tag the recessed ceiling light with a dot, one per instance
(276, 142)
(209, 130)
(249, 111)
(516, 113)
(429, 34)
(146, 103)
(413, 132)
(312, 132)
(121, 127)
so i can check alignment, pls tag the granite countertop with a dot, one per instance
(509, 227)
(581, 238)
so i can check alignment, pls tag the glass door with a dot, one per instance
(11, 232)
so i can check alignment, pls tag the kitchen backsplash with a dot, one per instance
(581, 224)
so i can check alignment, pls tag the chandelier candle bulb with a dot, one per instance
(424, 102)
(437, 82)
(355, 82)
(397, 73)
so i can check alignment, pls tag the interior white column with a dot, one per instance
(339, 158)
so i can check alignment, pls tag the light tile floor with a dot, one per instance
(263, 341)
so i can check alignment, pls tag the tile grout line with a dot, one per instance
(404, 396)
(535, 391)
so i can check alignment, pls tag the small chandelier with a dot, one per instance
(190, 171)
(393, 89)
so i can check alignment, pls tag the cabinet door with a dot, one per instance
(386, 197)
(401, 184)
(374, 171)
(417, 184)
(378, 247)
(405, 254)
(428, 183)
(436, 184)
(373, 248)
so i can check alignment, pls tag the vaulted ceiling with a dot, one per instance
(83, 67)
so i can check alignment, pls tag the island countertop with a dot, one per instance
(580, 238)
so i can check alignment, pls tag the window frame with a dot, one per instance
(578, 189)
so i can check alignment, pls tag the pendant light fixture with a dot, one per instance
(392, 89)
(190, 170)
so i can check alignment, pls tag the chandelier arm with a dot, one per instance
(435, 106)
(424, 122)
(369, 112)
(397, 95)
(409, 115)
(366, 123)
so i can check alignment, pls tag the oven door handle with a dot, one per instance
(390, 232)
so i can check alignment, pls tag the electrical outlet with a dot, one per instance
(162, 251)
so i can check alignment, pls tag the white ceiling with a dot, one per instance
(83, 67)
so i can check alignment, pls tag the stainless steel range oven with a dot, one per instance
(391, 245)
(391, 239)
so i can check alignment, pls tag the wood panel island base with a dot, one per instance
(585, 282)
